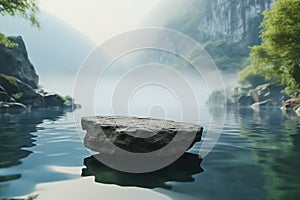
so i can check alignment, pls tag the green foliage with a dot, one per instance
(12, 80)
(23, 8)
(6, 41)
(279, 54)
(250, 76)
(17, 95)
(228, 55)
(67, 98)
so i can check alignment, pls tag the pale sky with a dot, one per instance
(100, 19)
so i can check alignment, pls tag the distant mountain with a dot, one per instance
(56, 50)
(55, 46)
(166, 11)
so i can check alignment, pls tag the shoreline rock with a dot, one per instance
(292, 104)
(266, 95)
(263, 96)
(19, 82)
(12, 106)
(16, 94)
(137, 135)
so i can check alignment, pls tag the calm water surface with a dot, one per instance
(257, 157)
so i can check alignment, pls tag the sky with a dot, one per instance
(100, 19)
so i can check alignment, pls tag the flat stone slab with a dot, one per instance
(138, 135)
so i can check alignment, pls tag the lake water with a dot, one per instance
(257, 156)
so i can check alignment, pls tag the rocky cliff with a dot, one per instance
(236, 20)
(15, 62)
(226, 28)
(233, 19)
(19, 82)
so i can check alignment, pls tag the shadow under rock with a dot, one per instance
(182, 170)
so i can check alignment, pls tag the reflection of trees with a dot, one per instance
(16, 133)
(275, 143)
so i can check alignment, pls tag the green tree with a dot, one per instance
(23, 8)
(279, 54)
(249, 76)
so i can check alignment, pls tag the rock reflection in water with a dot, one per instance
(182, 170)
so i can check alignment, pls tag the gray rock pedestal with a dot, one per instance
(138, 135)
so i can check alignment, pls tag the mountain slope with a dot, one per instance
(56, 50)
(54, 46)
(226, 28)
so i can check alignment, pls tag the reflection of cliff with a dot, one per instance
(181, 170)
(16, 133)
(276, 151)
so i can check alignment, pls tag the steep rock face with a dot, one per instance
(14, 62)
(210, 20)
(19, 82)
(232, 19)
(225, 28)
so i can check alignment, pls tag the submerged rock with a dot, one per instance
(138, 135)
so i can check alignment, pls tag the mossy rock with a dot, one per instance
(2, 89)
(9, 83)
(54, 100)
(12, 80)
(4, 96)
